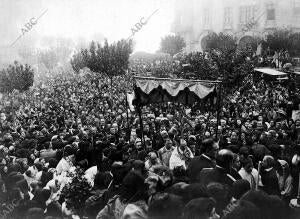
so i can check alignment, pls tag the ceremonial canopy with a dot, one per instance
(159, 90)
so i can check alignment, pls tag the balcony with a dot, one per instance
(228, 26)
(270, 24)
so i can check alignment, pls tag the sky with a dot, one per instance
(75, 19)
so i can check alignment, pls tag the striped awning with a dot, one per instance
(159, 90)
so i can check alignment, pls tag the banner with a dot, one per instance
(296, 115)
(129, 98)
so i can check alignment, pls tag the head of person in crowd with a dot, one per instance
(165, 206)
(234, 138)
(182, 144)
(224, 159)
(154, 184)
(247, 164)
(35, 213)
(210, 148)
(239, 188)
(268, 162)
(148, 144)
(164, 134)
(220, 193)
(168, 143)
(194, 191)
(200, 208)
(282, 168)
(236, 162)
(139, 167)
(243, 153)
(138, 144)
(180, 174)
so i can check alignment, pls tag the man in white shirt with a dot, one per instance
(249, 173)
(165, 152)
(65, 164)
(181, 156)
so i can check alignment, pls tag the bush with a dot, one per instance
(111, 60)
(76, 192)
(17, 76)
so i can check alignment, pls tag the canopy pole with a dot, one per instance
(127, 118)
(141, 125)
(218, 109)
(139, 110)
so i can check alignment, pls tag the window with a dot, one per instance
(296, 8)
(227, 16)
(247, 14)
(270, 12)
(181, 19)
(206, 17)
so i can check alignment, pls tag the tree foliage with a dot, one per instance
(283, 40)
(222, 58)
(78, 62)
(17, 76)
(279, 40)
(172, 44)
(295, 38)
(197, 65)
(221, 42)
(110, 59)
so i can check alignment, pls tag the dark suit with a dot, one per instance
(196, 165)
(270, 182)
(235, 174)
(217, 174)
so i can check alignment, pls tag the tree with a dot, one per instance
(78, 62)
(110, 59)
(233, 65)
(295, 38)
(232, 62)
(282, 43)
(172, 44)
(17, 76)
(222, 58)
(198, 66)
(279, 40)
(220, 42)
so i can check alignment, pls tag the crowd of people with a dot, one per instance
(175, 163)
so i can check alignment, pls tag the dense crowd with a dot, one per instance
(175, 163)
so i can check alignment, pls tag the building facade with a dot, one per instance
(245, 19)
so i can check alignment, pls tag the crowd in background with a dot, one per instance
(178, 164)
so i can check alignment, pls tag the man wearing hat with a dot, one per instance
(181, 156)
